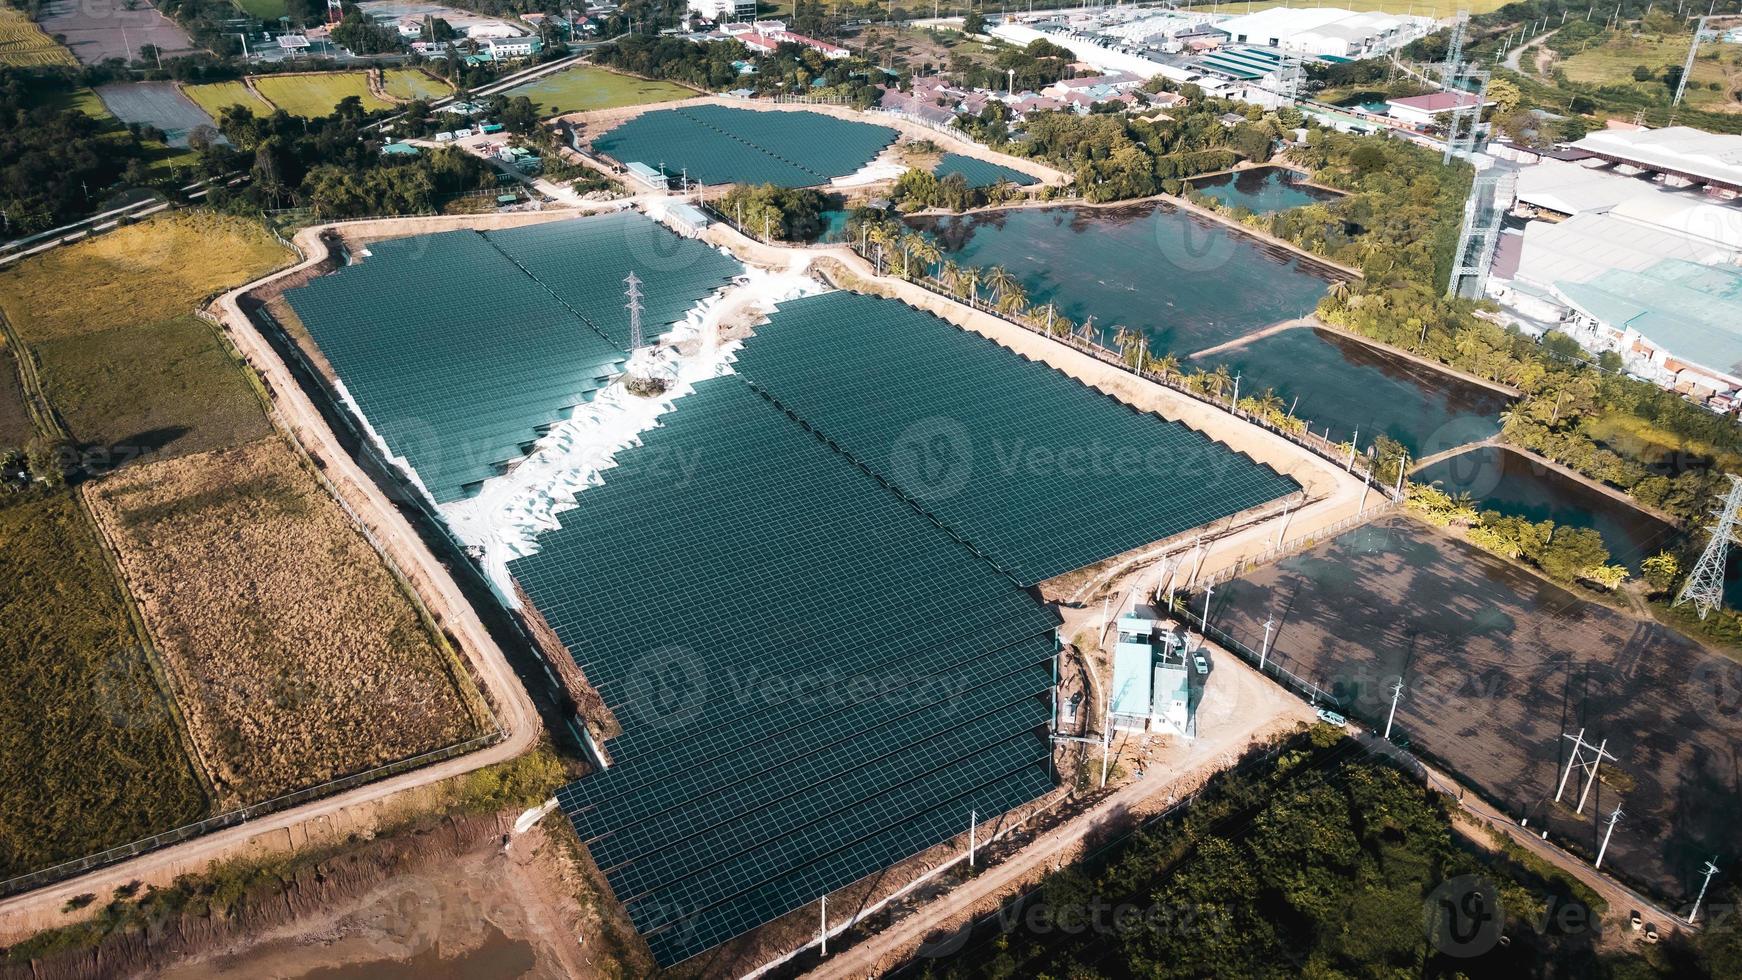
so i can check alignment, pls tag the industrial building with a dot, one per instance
(1325, 31)
(1633, 260)
(721, 11)
(1151, 690)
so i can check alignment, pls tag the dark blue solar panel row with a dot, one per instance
(461, 348)
(1036, 470)
(811, 676)
(981, 173)
(721, 145)
(425, 332)
(584, 262)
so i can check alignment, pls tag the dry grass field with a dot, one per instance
(145, 273)
(15, 426)
(23, 44)
(296, 657)
(215, 97)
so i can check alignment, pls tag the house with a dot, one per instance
(1423, 110)
(1151, 688)
(510, 48)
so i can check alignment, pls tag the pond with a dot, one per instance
(1186, 281)
(1354, 387)
(1499, 479)
(1263, 190)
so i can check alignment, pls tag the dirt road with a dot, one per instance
(1240, 708)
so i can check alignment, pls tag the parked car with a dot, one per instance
(1330, 717)
(1201, 664)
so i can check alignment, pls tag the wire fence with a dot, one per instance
(69, 869)
(1301, 543)
(1258, 659)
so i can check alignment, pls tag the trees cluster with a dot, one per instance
(329, 165)
(919, 189)
(1565, 554)
(1117, 155)
(791, 68)
(1313, 865)
(1035, 66)
(784, 213)
(57, 163)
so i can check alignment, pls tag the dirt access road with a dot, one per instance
(1241, 708)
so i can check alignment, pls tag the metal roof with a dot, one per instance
(1680, 150)
(1692, 311)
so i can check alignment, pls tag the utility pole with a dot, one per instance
(973, 820)
(1396, 695)
(1264, 651)
(1614, 818)
(633, 294)
(1578, 741)
(1354, 441)
(1710, 869)
(825, 935)
(1209, 590)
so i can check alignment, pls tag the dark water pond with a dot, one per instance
(1502, 480)
(1264, 190)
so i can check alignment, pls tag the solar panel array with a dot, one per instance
(980, 173)
(814, 680)
(571, 257)
(721, 145)
(460, 355)
(1039, 472)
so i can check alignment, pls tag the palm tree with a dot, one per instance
(970, 278)
(926, 251)
(950, 277)
(1167, 364)
(910, 245)
(1015, 298)
(1000, 281)
(1340, 291)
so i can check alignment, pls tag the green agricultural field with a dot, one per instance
(215, 97)
(409, 83)
(167, 388)
(317, 95)
(1614, 61)
(90, 756)
(267, 10)
(161, 156)
(586, 88)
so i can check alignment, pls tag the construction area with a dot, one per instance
(1516, 685)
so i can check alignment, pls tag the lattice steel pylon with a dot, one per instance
(1705, 585)
(633, 295)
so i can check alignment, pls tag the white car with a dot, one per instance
(1330, 717)
(1201, 664)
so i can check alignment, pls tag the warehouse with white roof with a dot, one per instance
(1325, 31)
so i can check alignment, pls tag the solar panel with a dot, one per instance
(722, 145)
(980, 173)
(1036, 470)
(811, 675)
(461, 347)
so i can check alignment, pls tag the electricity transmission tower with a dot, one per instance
(1492, 189)
(633, 295)
(1705, 585)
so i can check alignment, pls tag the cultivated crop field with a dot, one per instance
(215, 97)
(89, 753)
(297, 658)
(1497, 664)
(586, 88)
(25, 45)
(317, 95)
(409, 83)
(145, 273)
